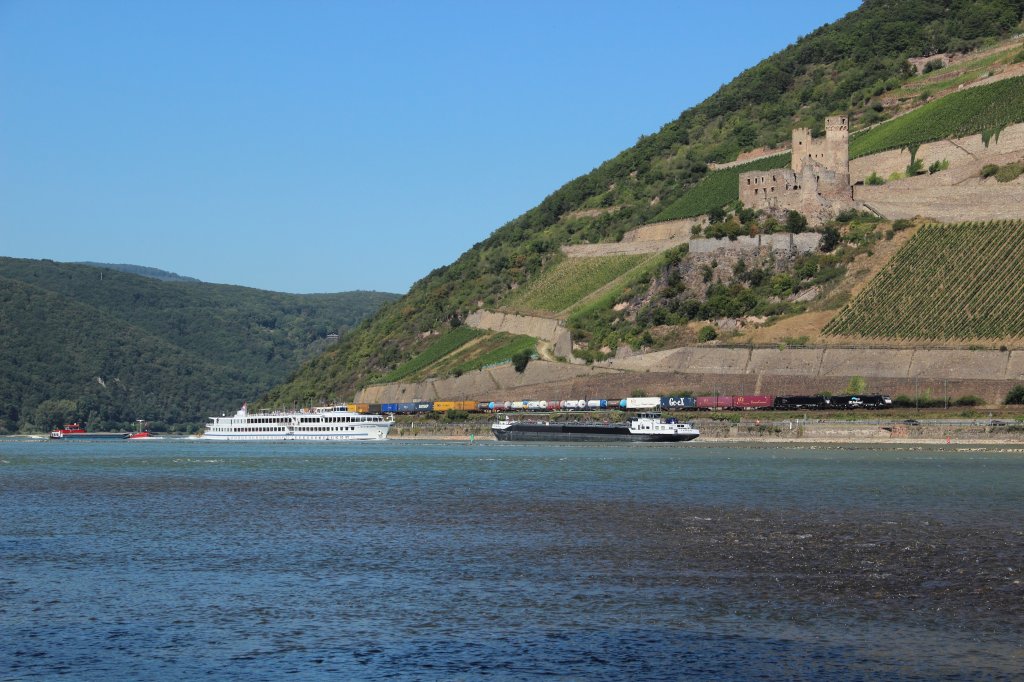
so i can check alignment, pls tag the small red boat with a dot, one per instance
(75, 431)
(143, 434)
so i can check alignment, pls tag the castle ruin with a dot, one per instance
(817, 184)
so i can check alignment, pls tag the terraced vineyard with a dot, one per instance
(977, 110)
(571, 280)
(494, 350)
(717, 188)
(949, 282)
(443, 346)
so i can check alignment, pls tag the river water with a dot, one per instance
(178, 559)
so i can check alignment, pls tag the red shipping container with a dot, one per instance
(753, 402)
(710, 402)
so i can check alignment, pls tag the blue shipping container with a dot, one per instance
(686, 403)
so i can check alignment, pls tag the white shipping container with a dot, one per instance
(643, 403)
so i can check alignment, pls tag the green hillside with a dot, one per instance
(718, 188)
(845, 67)
(986, 109)
(950, 282)
(119, 346)
(154, 273)
(568, 281)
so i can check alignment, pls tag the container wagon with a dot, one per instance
(753, 402)
(447, 405)
(714, 402)
(641, 403)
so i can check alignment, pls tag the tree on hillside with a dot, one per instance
(795, 222)
(1015, 396)
(829, 238)
(54, 413)
(520, 360)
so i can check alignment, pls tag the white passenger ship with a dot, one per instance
(321, 423)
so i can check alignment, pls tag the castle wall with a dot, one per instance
(817, 192)
(763, 189)
(797, 243)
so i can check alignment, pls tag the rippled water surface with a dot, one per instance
(179, 559)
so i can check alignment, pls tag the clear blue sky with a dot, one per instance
(316, 146)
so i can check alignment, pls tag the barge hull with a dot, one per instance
(584, 434)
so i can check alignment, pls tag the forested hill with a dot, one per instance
(847, 67)
(154, 273)
(109, 347)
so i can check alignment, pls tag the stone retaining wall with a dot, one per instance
(798, 243)
(668, 229)
(954, 195)
(621, 248)
(966, 150)
(551, 331)
(980, 200)
(988, 374)
(487, 383)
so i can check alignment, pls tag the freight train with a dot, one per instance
(704, 402)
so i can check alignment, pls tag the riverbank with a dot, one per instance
(825, 431)
(933, 432)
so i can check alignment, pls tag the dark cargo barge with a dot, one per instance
(644, 428)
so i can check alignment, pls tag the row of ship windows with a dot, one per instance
(277, 429)
(311, 420)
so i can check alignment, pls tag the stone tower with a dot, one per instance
(831, 151)
(801, 148)
(837, 144)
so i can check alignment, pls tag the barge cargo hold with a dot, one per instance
(643, 428)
